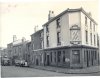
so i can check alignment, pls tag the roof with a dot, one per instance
(37, 32)
(71, 10)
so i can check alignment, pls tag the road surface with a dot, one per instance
(13, 71)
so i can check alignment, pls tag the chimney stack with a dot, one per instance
(14, 38)
(90, 14)
(50, 15)
(23, 39)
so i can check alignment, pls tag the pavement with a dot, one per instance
(93, 69)
(13, 71)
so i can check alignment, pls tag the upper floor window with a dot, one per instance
(94, 39)
(47, 41)
(94, 27)
(91, 38)
(90, 25)
(47, 29)
(86, 36)
(58, 22)
(85, 20)
(58, 38)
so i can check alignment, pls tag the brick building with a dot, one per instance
(37, 48)
(20, 50)
(27, 52)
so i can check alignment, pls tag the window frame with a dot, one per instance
(58, 23)
(86, 36)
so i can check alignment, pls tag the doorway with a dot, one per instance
(87, 59)
(36, 61)
(48, 61)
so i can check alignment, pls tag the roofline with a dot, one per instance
(88, 16)
(37, 31)
(70, 10)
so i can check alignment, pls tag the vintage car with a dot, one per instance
(5, 61)
(21, 63)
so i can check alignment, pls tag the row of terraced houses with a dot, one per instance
(69, 40)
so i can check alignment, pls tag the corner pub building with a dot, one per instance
(70, 40)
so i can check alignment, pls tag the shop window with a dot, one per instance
(63, 56)
(95, 54)
(55, 56)
(89, 55)
(51, 56)
(59, 55)
(84, 55)
(75, 56)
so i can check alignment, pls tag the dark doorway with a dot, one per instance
(92, 57)
(87, 59)
(48, 62)
(36, 61)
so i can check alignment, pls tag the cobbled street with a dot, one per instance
(13, 71)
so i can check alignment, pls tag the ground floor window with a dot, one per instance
(75, 56)
(51, 56)
(84, 55)
(55, 56)
(95, 54)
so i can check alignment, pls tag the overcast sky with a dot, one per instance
(20, 18)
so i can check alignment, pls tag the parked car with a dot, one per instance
(21, 63)
(5, 61)
(17, 62)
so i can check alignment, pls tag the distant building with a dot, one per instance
(10, 52)
(28, 52)
(19, 50)
(37, 48)
(4, 52)
(70, 40)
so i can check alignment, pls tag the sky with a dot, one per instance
(20, 17)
